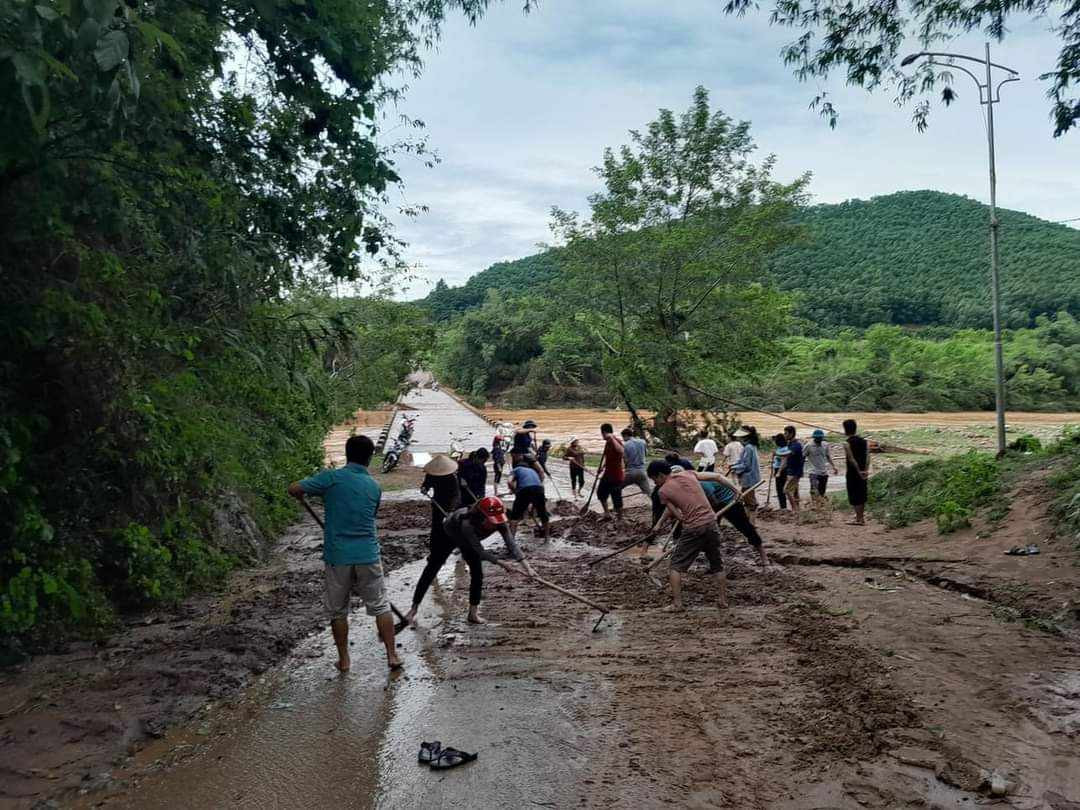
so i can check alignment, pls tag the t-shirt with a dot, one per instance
(542, 455)
(706, 448)
(795, 459)
(719, 493)
(577, 456)
(859, 449)
(732, 451)
(352, 498)
(473, 477)
(461, 527)
(524, 476)
(748, 467)
(684, 492)
(613, 460)
(778, 457)
(634, 451)
(498, 450)
(522, 442)
(817, 456)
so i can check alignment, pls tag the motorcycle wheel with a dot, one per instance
(389, 462)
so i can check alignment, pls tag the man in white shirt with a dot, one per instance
(732, 452)
(706, 450)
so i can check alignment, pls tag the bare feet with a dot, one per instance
(475, 618)
(674, 608)
(393, 662)
(343, 663)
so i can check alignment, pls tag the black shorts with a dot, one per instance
(577, 476)
(856, 490)
(525, 497)
(612, 489)
(818, 483)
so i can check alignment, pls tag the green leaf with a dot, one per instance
(46, 13)
(57, 67)
(111, 50)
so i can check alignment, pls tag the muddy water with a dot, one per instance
(324, 740)
(559, 424)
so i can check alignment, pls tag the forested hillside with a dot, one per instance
(914, 257)
(921, 257)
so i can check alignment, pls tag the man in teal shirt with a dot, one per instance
(350, 547)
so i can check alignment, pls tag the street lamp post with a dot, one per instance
(988, 95)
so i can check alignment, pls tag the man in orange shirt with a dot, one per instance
(686, 502)
(613, 478)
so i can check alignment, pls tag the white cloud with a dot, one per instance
(520, 107)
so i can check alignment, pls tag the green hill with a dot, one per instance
(913, 257)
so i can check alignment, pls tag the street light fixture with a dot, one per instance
(989, 94)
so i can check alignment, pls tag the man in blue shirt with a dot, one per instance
(350, 547)
(794, 466)
(528, 488)
(634, 452)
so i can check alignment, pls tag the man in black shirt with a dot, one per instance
(857, 472)
(472, 473)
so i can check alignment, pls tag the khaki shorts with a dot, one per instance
(637, 476)
(365, 580)
(791, 486)
(693, 542)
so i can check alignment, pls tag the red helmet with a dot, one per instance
(492, 508)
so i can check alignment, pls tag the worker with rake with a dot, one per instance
(463, 529)
(685, 501)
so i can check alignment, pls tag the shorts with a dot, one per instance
(693, 542)
(612, 489)
(365, 580)
(525, 497)
(791, 486)
(637, 476)
(818, 483)
(856, 490)
(703, 467)
(577, 476)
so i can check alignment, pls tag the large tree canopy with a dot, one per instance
(864, 38)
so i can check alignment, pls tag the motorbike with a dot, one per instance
(392, 455)
(457, 445)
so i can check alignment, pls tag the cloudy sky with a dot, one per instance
(520, 107)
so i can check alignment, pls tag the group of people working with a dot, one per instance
(692, 497)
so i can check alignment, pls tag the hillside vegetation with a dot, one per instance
(890, 310)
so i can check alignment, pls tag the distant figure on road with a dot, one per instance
(498, 460)
(793, 466)
(350, 546)
(611, 480)
(820, 462)
(747, 467)
(857, 472)
(634, 453)
(524, 440)
(575, 457)
(732, 451)
(472, 476)
(706, 451)
(779, 468)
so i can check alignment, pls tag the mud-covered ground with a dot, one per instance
(66, 720)
(866, 668)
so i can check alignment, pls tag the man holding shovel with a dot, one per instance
(685, 501)
(351, 547)
(613, 477)
(464, 529)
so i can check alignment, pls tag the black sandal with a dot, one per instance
(429, 752)
(451, 758)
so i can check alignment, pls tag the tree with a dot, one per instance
(664, 272)
(864, 38)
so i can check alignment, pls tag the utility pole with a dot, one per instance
(988, 95)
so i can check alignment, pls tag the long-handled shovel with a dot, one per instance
(401, 623)
(595, 481)
(769, 488)
(719, 514)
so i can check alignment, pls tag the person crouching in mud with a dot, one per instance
(463, 529)
(350, 546)
(685, 501)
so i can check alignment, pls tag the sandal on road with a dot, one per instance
(451, 758)
(429, 751)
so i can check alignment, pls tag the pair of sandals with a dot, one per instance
(440, 759)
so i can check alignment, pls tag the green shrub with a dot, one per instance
(948, 490)
(1026, 444)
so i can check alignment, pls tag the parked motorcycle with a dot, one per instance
(392, 455)
(457, 445)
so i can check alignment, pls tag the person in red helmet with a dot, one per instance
(464, 529)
